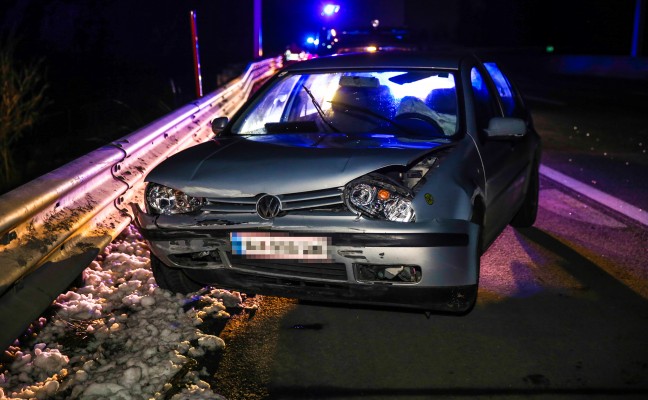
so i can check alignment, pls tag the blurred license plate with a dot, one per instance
(267, 245)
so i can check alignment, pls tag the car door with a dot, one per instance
(505, 161)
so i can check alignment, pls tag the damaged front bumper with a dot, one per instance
(431, 265)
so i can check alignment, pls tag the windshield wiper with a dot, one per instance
(320, 112)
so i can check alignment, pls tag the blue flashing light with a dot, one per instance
(330, 9)
(310, 40)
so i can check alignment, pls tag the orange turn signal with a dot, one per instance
(384, 194)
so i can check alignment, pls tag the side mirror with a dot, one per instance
(218, 124)
(506, 128)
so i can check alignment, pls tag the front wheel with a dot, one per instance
(173, 279)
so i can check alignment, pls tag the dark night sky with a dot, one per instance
(154, 35)
(150, 32)
(113, 66)
(113, 45)
(571, 26)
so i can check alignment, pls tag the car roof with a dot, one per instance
(385, 59)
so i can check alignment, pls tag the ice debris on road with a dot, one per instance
(120, 336)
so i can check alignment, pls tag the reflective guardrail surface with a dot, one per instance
(53, 227)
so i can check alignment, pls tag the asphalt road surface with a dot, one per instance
(562, 313)
(594, 130)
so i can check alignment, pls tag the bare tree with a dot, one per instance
(23, 100)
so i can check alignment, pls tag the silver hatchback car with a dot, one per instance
(365, 178)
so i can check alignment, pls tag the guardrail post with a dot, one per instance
(196, 54)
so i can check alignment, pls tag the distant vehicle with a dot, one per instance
(295, 53)
(364, 178)
(291, 57)
(367, 39)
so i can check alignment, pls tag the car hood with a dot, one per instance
(241, 167)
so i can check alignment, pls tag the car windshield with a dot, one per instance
(416, 104)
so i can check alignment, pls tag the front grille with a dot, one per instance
(293, 268)
(318, 199)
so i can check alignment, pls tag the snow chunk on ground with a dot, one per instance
(210, 342)
(51, 360)
(120, 336)
(110, 390)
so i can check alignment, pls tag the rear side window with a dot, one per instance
(504, 88)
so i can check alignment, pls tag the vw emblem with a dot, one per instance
(268, 206)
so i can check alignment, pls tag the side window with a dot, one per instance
(505, 90)
(485, 104)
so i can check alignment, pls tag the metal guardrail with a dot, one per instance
(53, 227)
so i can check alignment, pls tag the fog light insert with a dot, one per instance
(202, 259)
(387, 273)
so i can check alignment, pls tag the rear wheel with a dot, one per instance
(173, 279)
(527, 213)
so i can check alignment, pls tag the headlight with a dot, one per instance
(165, 200)
(378, 198)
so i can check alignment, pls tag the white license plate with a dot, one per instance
(268, 245)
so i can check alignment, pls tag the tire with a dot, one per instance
(527, 213)
(173, 279)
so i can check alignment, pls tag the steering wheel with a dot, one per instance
(421, 117)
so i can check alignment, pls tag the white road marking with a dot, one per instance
(567, 206)
(605, 199)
